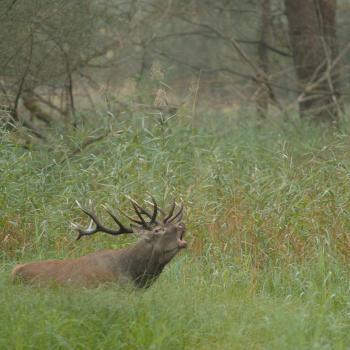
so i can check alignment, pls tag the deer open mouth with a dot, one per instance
(180, 241)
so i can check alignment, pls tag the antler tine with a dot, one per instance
(179, 217)
(155, 211)
(144, 211)
(129, 217)
(99, 226)
(170, 212)
(143, 222)
(116, 220)
(89, 231)
(177, 214)
(159, 208)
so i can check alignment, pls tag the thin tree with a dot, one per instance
(263, 58)
(312, 31)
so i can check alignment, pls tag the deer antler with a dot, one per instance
(98, 225)
(169, 217)
(140, 210)
(165, 220)
(177, 216)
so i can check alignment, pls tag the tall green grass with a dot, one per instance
(267, 211)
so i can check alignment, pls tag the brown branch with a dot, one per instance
(11, 6)
(209, 70)
(260, 74)
(24, 77)
(33, 129)
(209, 35)
(87, 142)
(313, 83)
(35, 110)
(70, 94)
(27, 124)
(48, 103)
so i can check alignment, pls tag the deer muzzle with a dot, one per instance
(180, 234)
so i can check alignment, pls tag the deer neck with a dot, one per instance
(143, 263)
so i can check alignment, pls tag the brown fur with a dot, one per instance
(138, 265)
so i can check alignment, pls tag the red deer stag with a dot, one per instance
(139, 264)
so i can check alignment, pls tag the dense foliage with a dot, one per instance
(268, 225)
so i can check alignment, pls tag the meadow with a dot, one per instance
(267, 214)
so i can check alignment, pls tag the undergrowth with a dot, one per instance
(267, 216)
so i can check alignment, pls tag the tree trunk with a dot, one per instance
(313, 37)
(262, 98)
